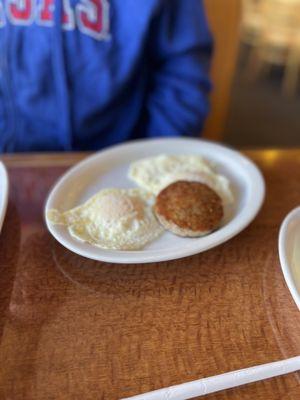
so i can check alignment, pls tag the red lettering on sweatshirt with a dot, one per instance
(93, 18)
(20, 12)
(46, 14)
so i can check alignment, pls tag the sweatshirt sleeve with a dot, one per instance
(181, 48)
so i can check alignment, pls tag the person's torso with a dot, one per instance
(73, 73)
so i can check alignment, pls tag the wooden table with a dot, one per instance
(73, 329)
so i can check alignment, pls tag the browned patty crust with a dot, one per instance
(189, 208)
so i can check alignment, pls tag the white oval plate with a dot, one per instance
(109, 168)
(289, 252)
(3, 193)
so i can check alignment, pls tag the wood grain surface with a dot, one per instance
(73, 329)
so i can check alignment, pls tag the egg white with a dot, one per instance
(120, 219)
(155, 173)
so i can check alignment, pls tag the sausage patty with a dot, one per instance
(189, 209)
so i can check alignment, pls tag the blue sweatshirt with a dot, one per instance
(84, 74)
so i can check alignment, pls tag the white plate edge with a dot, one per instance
(287, 273)
(5, 194)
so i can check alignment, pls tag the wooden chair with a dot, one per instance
(224, 17)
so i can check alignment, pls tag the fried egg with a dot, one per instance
(155, 173)
(120, 219)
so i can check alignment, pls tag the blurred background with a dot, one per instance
(256, 72)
